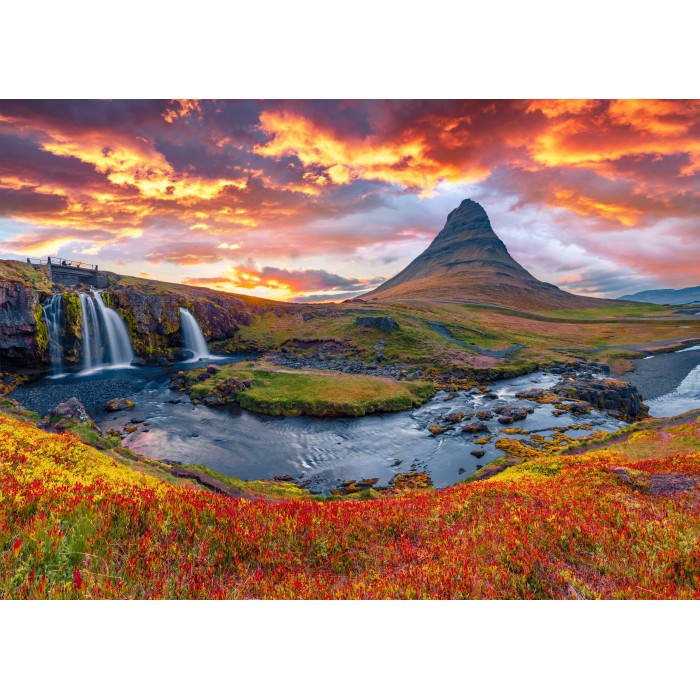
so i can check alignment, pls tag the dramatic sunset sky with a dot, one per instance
(324, 200)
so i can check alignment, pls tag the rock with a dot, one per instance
(610, 395)
(478, 453)
(484, 415)
(180, 381)
(130, 429)
(72, 409)
(509, 414)
(383, 323)
(213, 369)
(475, 427)
(436, 429)
(162, 361)
(212, 400)
(138, 362)
(454, 417)
(118, 405)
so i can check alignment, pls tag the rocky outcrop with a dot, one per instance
(24, 338)
(609, 395)
(153, 318)
(382, 323)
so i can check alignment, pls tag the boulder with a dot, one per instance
(475, 427)
(478, 453)
(383, 323)
(119, 404)
(72, 409)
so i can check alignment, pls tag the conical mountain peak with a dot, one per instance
(467, 261)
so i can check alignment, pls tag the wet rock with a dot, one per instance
(180, 381)
(454, 417)
(162, 361)
(383, 323)
(120, 404)
(436, 429)
(484, 415)
(478, 453)
(606, 394)
(212, 400)
(510, 414)
(138, 362)
(475, 427)
(461, 470)
(72, 409)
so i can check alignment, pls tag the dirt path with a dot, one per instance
(440, 329)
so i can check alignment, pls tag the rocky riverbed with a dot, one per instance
(323, 454)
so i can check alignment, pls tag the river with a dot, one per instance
(318, 452)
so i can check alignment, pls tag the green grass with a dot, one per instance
(277, 391)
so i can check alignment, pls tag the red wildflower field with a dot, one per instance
(75, 523)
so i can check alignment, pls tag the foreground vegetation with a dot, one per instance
(279, 391)
(611, 523)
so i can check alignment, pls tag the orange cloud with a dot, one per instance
(405, 161)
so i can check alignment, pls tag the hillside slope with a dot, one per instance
(468, 262)
(75, 523)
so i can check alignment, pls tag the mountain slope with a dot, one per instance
(467, 261)
(689, 295)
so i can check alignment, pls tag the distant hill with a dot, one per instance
(467, 261)
(689, 295)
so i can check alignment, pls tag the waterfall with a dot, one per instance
(99, 321)
(91, 332)
(118, 343)
(192, 335)
(53, 315)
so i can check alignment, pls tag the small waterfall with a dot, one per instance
(91, 332)
(118, 343)
(53, 315)
(192, 335)
(100, 322)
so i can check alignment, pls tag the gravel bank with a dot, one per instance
(662, 373)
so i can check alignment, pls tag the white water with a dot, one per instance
(53, 315)
(105, 338)
(684, 398)
(118, 343)
(193, 338)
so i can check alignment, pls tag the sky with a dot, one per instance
(323, 200)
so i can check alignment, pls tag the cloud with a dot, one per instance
(353, 187)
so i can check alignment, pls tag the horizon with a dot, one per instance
(308, 201)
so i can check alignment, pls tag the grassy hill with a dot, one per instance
(617, 521)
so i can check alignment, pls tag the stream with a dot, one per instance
(319, 453)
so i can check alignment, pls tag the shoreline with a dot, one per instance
(662, 373)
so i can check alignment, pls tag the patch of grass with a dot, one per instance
(278, 391)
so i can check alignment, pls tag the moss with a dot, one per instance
(42, 331)
(277, 391)
(72, 326)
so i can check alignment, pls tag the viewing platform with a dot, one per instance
(70, 272)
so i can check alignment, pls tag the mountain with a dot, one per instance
(689, 295)
(468, 262)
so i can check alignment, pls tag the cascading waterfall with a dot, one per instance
(91, 332)
(193, 338)
(118, 343)
(99, 321)
(53, 315)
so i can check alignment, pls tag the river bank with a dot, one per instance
(662, 374)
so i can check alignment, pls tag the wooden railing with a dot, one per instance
(63, 262)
